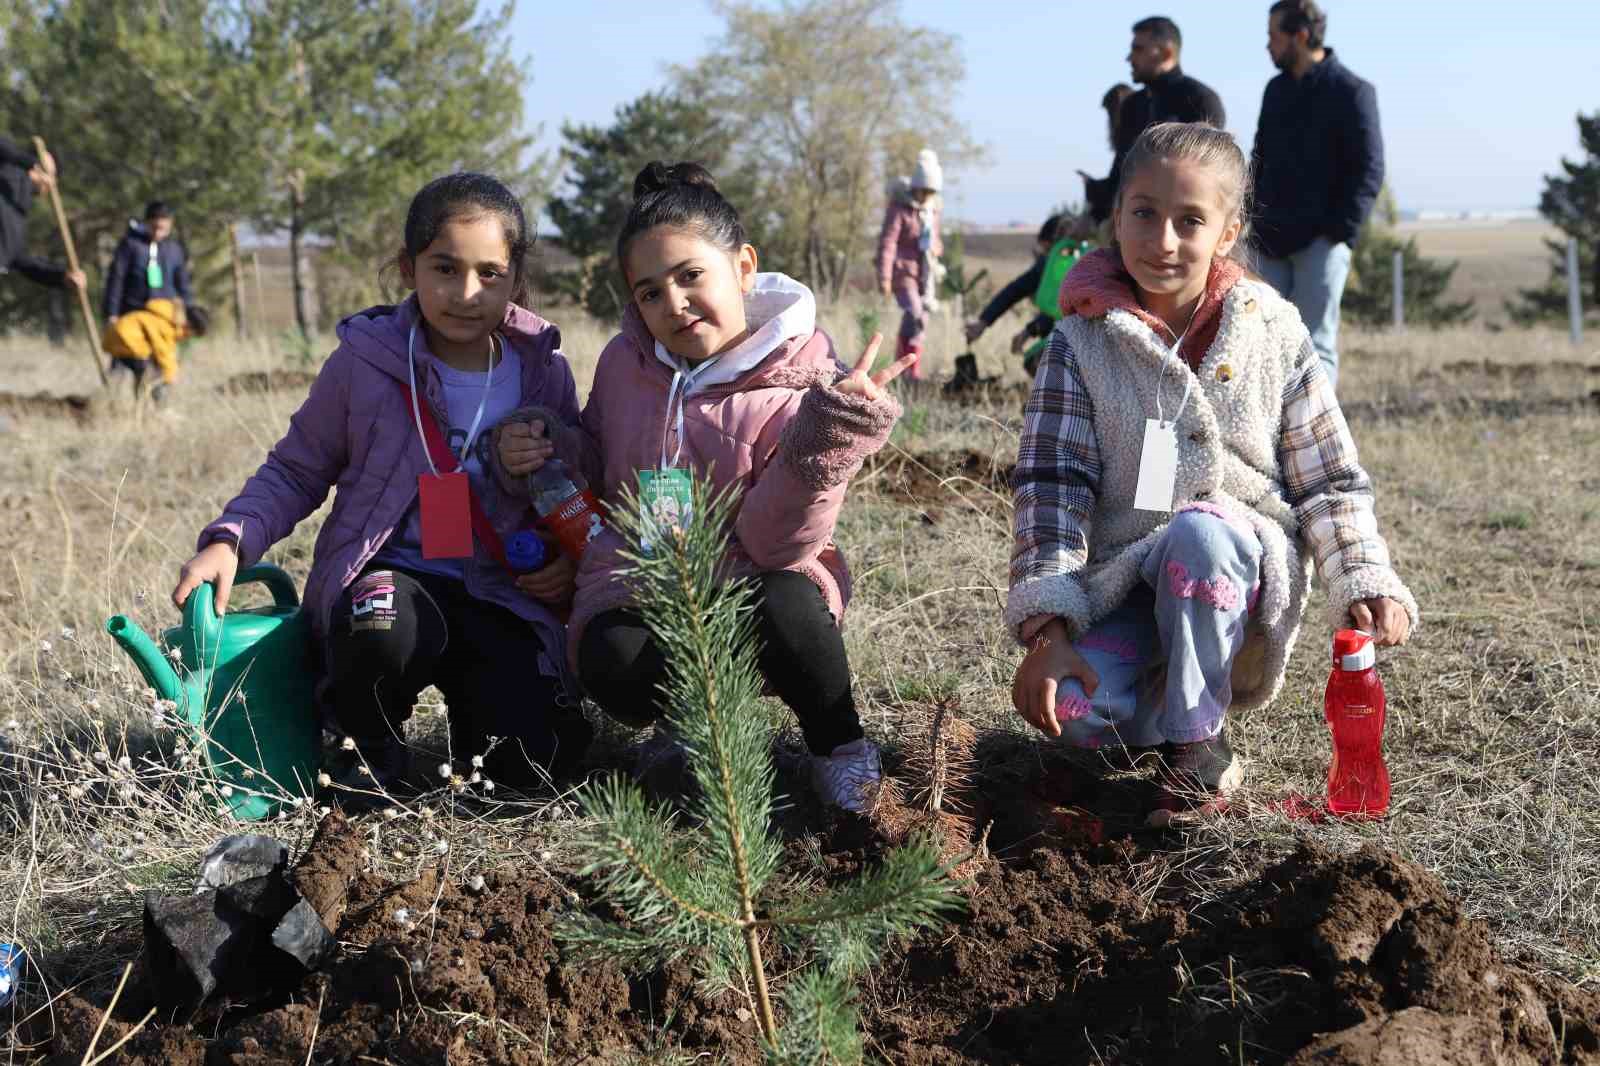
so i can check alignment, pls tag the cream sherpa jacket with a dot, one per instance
(1261, 438)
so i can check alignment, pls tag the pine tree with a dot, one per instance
(1571, 202)
(1369, 293)
(602, 162)
(705, 890)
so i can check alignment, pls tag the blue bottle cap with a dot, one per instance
(11, 956)
(525, 551)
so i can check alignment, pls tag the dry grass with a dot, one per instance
(1487, 491)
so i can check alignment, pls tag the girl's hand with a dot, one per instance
(887, 289)
(1051, 659)
(860, 383)
(975, 330)
(553, 583)
(524, 447)
(218, 562)
(1384, 618)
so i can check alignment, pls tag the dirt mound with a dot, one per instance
(261, 381)
(934, 480)
(47, 405)
(1064, 960)
(1064, 957)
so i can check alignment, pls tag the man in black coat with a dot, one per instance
(1319, 166)
(21, 175)
(149, 262)
(1169, 95)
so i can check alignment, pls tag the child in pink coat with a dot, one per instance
(721, 372)
(908, 247)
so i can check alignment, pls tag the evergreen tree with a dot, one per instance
(1571, 202)
(705, 890)
(602, 162)
(134, 102)
(1369, 293)
(318, 118)
(357, 104)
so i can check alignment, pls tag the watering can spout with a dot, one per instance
(147, 656)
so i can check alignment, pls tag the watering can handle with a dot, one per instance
(200, 616)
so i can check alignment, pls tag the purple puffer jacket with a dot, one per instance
(356, 433)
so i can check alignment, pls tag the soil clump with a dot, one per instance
(1066, 955)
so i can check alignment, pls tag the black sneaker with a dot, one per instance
(374, 771)
(1194, 780)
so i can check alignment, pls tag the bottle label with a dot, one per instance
(575, 522)
(1358, 710)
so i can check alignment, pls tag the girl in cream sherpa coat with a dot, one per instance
(1144, 626)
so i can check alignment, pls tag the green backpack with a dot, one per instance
(1062, 257)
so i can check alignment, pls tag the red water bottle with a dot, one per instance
(565, 506)
(1358, 780)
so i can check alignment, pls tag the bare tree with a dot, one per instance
(827, 98)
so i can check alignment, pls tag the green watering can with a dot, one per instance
(245, 690)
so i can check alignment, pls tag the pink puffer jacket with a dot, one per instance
(900, 247)
(776, 428)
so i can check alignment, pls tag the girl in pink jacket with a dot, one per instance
(909, 244)
(721, 371)
(407, 587)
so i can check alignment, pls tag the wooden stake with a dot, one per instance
(240, 327)
(72, 262)
(261, 302)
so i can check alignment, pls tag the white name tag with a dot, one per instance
(1158, 467)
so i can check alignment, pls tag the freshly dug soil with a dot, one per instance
(936, 479)
(1062, 958)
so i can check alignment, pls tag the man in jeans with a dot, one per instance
(1319, 166)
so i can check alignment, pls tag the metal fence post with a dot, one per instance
(1574, 303)
(1399, 290)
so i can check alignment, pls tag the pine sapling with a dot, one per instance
(700, 890)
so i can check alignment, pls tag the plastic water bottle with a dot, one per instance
(11, 956)
(525, 552)
(563, 502)
(1358, 780)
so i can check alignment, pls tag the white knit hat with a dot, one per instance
(928, 175)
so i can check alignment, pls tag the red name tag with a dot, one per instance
(446, 515)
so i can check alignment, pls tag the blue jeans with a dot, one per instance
(1189, 615)
(1313, 280)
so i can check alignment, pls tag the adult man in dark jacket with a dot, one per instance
(1319, 166)
(146, 264)
(1169, 95)
(22, 174)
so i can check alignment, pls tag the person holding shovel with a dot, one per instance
(23, 173)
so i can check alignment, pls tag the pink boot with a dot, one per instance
(914, 371)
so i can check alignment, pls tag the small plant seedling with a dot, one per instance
(700, 891)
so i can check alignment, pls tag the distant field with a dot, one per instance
(1497, 258)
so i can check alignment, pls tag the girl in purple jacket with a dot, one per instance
(408, 584)
(909, 246)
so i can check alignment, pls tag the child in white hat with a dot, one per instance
(909, 247)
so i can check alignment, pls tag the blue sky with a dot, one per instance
(1477, 100)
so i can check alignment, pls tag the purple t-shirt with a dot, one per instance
(463, 389)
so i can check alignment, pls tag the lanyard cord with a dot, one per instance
(1188, 379)
(681, 395)
(416, 409)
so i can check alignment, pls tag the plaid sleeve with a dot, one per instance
(1058, 470)
(1332, 494)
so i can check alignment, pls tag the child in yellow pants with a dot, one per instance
(139, 337)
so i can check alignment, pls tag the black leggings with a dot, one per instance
(394, 632)
(801, 654)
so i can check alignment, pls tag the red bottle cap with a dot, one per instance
(1353, 650)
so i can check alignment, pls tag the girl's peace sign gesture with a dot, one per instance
(860, 383)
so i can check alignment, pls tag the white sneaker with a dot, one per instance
(847, 778)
